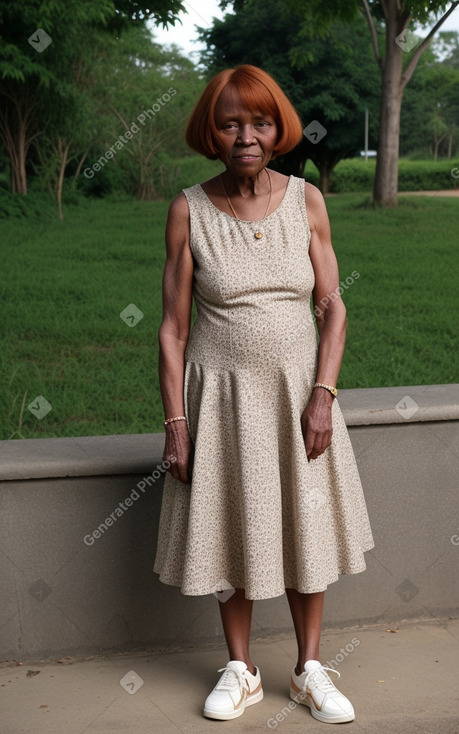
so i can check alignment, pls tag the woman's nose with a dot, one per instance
(246, 134)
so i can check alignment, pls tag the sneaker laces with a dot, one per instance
(227, 679)
(318, 678)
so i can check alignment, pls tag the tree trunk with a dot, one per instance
(15, 146)
(80, 165)
(395, 78)
(386, 176)
(291, 163)
(15, 130)
(324, 178)
(22, 152)
(450, 142)
(145, 191)
(63, 149)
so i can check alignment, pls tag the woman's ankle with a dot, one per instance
(245, 659)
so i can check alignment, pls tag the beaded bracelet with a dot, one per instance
(331, 389)
(171, 420)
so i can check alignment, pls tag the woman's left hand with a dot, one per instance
(316, 423)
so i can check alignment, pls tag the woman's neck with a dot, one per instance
(247, 186)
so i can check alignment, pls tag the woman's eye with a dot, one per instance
(233, 126)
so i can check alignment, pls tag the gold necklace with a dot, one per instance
(257, 235)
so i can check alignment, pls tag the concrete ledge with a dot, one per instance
(40, 458)
(137, 453)
(63, 595)
(412, 403)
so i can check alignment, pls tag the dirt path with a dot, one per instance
(446, 192)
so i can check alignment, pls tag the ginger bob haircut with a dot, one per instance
(258, 91)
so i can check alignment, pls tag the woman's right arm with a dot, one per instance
(174, 332)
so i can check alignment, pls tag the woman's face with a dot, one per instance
(246, 137)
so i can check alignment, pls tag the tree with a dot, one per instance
(143, 92)
(430, 112)
(40, 45)
(27, 72)
(395, 76)
(397, 15)
(68, 133)
(334, 85)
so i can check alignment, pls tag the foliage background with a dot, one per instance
(66, 280)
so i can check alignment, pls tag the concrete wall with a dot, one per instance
(62, 596)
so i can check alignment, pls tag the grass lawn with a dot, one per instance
(65, 284)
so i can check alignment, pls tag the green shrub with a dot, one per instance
(355, 174)
(109, 179)
(192, 170)
(311, 174)
(33, 204)
(426, 175)
(5, 180)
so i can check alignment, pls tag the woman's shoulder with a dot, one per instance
(180, 204)
(178, 208)
(315, 202)
(190, 192)
(315, 207)
(311, 192)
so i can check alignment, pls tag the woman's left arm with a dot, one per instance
(330, 312)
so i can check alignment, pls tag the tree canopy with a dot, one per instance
(397, 59)
(334, 84)
(47, 47)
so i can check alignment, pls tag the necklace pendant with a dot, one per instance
(258, 235)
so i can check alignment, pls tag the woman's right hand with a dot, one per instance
(177, 450)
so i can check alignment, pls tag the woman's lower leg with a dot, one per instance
(236, 614)
(307, 611)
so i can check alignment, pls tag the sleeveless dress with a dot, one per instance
(257, 515)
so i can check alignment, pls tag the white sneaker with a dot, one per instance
(315, 689)
(236, 689)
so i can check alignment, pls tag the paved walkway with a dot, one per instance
(444, 192)
(400, 682)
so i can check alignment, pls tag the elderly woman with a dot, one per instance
(263, 493)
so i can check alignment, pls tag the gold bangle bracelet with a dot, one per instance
(331, 389)
(171, 420)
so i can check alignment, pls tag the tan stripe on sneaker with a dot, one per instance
(242, 699)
